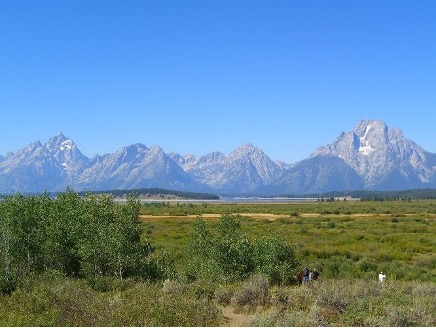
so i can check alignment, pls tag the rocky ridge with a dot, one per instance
(372, 156)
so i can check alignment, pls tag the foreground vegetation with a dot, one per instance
(86, 261)
(53, 300)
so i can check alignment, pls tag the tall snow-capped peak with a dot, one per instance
(57, 140)
(378, 153)
(61, 144)
(367, 138)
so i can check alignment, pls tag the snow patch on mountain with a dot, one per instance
(365, 147)
(66, 145)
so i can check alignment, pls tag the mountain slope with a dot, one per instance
(245, 169)
(383, 157)
(372, 156)
(135, 166)
(37, 167)
(316, 175)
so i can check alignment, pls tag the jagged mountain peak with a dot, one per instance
(247, 147)
(367, 124)
(380, 155)
(60, 143)
(213, 157)
(156, 149)
(375, 135)
(32, 147)
(246, 150)
(59, 137)
(137, 147)
(367, 139)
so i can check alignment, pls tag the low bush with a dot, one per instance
(60, 301)
(254, 292)
(351, 303)
(223, 295)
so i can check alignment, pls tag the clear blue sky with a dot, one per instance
(210, 75)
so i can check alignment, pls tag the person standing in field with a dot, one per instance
(381, 277)
(300, 277)
(305, 276)
(315, 274)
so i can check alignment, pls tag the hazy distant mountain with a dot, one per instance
(383, 158)
(245, 169)
(372, 156)
(316, 175)
(39, 167)
(135, 166)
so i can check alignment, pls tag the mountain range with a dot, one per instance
(371, 157)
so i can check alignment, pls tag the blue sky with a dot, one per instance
(211, 75)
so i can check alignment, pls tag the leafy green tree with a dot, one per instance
(61, 223)
(228, 254)
(8, 269)
(234, 250)
(90, 236)
(95, 247)
(125, 235)
(276, 259)
(20, 245)
(202, 254)
(224, 254)
(21, 219)
(70, 212)
(158, 267)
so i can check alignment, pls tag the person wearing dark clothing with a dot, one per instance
(315, 274)
(305, 276)
(300, 277)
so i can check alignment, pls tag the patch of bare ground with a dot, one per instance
(233, 319)
(268, 216)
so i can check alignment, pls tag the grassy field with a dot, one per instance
(341, 239)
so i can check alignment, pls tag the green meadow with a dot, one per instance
(342, 239)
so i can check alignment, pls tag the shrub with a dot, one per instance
(50, 300)
(105, 284)
(202, 289)
(228, 255)
(367, 265)
(172, 304)
(223, 296)
(254, 292)
(276, 259)
(172, 288)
